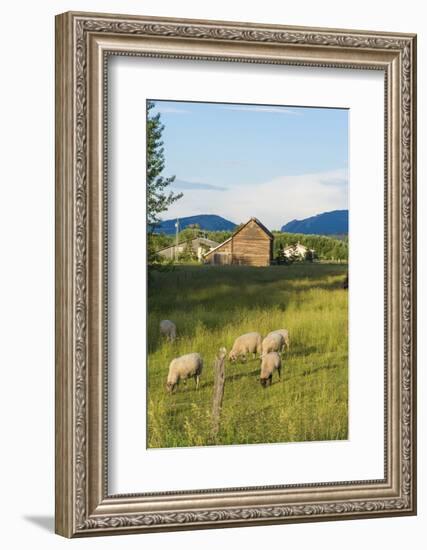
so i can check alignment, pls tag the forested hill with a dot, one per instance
(206, 222)
(327, 223)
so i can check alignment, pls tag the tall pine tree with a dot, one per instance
(158, 197)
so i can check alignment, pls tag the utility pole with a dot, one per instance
(176, 238)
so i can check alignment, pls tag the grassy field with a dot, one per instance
(213, 305)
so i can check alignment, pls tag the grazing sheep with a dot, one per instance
(246, 343)
(285, 333)
(270, 362)
(168, 329)
(272, 342)
(181, 368)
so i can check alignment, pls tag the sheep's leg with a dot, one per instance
(279, 370)
(197, 381)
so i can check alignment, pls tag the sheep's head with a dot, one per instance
(264, 382)
(170, 387)
(232, 356)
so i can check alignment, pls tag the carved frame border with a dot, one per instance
(83, 43)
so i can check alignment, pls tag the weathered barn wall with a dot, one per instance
(221, 255)
(251, 246)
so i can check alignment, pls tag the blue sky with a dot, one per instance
(274, 162)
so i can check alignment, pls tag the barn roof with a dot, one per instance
(295, 246)
(261, 225)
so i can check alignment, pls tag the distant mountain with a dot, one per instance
(208, 222)
(328, 223)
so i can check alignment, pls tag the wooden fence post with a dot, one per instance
(218, 391)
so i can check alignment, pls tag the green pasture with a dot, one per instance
(211, 306)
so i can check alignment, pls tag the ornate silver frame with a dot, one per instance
(83, 42)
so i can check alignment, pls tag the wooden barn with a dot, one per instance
(251, 244)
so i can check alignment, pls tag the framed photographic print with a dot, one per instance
(235, 274)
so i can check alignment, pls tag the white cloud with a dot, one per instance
(197, 185)
(252, 108)
(274, 202)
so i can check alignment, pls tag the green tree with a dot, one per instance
(309, 257)
(279, 255)
(158, 197)
(187, 255)
(187, 234)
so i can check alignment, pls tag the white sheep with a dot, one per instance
(246, 343)
(181, 368)
(285, 333)
(269, 363)
(272, 342)
(168, 329)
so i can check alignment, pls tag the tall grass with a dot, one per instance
(211, 306)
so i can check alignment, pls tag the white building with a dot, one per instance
(297, 250)
(198, 246)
